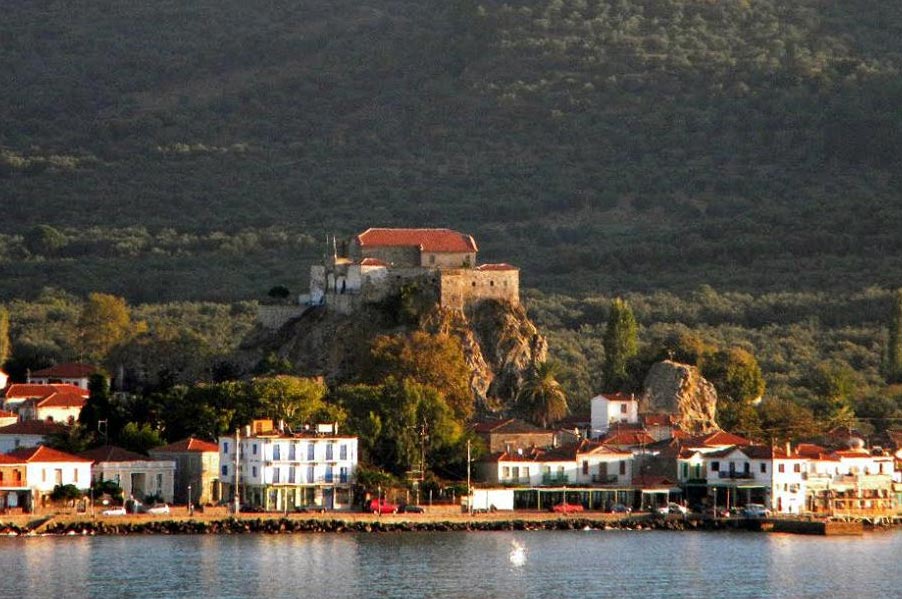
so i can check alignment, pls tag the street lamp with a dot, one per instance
(190, 505)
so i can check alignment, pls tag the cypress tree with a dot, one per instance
(4, 335)
(620, 345)
(893, 365)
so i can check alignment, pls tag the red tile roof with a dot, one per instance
(428, 240)
(619, 396)
(810, 450)
(42, 453)
(189, 444)
(111, 453)
(628, 438)
(5, 414)
(5, 459)
(32, 427)
(68, 370)
(496, 267)
(30, 390)
(715, 439)
(659, 419)
(65, 399)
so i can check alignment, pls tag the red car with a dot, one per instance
(567, 508)
(381, 506)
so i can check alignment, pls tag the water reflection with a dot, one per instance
(578, 563)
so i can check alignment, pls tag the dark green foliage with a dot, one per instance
(893, 365)
(542, 400)
(621, 345)
(44, 240)
(65, 493)
(273, 364)
(279, 292)
(107, 487)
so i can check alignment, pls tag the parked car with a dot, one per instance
(381, 506)
(412, 509)
(755, 510)
(158, 509)
(567, 508)
(114, 511)
(720, 512)
(619, 508)
(671, 508)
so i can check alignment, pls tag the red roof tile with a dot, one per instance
(189, 444)
(32, 427)
(65, 399)
(30, 390)
(372, 262)
(42, 453)
(628, 438)
(5, 459)
(68, 370)
(659, 419)
(5, 414)
(428, 240)
(619, 396)
(111, 453)
(716, 438)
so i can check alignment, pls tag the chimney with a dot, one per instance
(281, 426)
(788, 448)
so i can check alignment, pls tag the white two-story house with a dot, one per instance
(282, 470)
(45, 468)
(609, 409)
(585, 463)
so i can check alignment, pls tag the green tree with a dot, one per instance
(620, 345)
(44, 240)
(893, 357)
(99, 417)
(139, 438)
(272, 364)
(292, 399)
(433, 360)
(736, 375)
(833, 384)
(541, 398)
(4, 335)
(104, 323)
(784, 420)
(73, 439)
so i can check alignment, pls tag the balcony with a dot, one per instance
(736, 475)
(604, 479)
(555, 479)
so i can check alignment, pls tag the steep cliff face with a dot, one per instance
(499, 342)
(677, 388)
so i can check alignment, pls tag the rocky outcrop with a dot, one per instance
(675, 388)
(499, 342)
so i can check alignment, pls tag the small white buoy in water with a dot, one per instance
(517, 554)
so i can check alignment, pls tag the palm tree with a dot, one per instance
(541, 398)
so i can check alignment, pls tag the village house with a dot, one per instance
(14, 492)
(17, 394)
(609, 409)
(46, 468)
(739, 475)
(511, 434)
(197, 467)
(27, 433)
(59, 406)
(850, 482)
(69, 373)
(282, 470)
(137, 475)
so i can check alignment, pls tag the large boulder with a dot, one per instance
(675, 388)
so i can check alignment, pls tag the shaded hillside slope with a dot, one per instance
(602, 144)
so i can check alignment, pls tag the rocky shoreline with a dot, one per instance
(231, 526)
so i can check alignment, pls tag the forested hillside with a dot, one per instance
(731, 168)
(616, 145)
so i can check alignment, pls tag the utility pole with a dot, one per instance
(237, 466)
(469, 490)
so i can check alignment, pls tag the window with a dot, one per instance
(715, 466)
(797, 468)
(623, 408)
(781, 468)
(343, 474)
(159, 482)
(515, 473)
(342, 452)
(291, 474)
(746, 468)
(310, 474)
(225, 447)
(276, 476)
(277, 451)
(685, 470)
(328, 474)
(622, 467)
(75, 475)
(330, 451)
(585, 466)
(225, 470)
(505, 472)
(1, 476)
(58, 476)
(43, 475)
(526, 471)
(311, 452)
(292, 452)
(254, 471)
(763, 467)
(254, 449)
